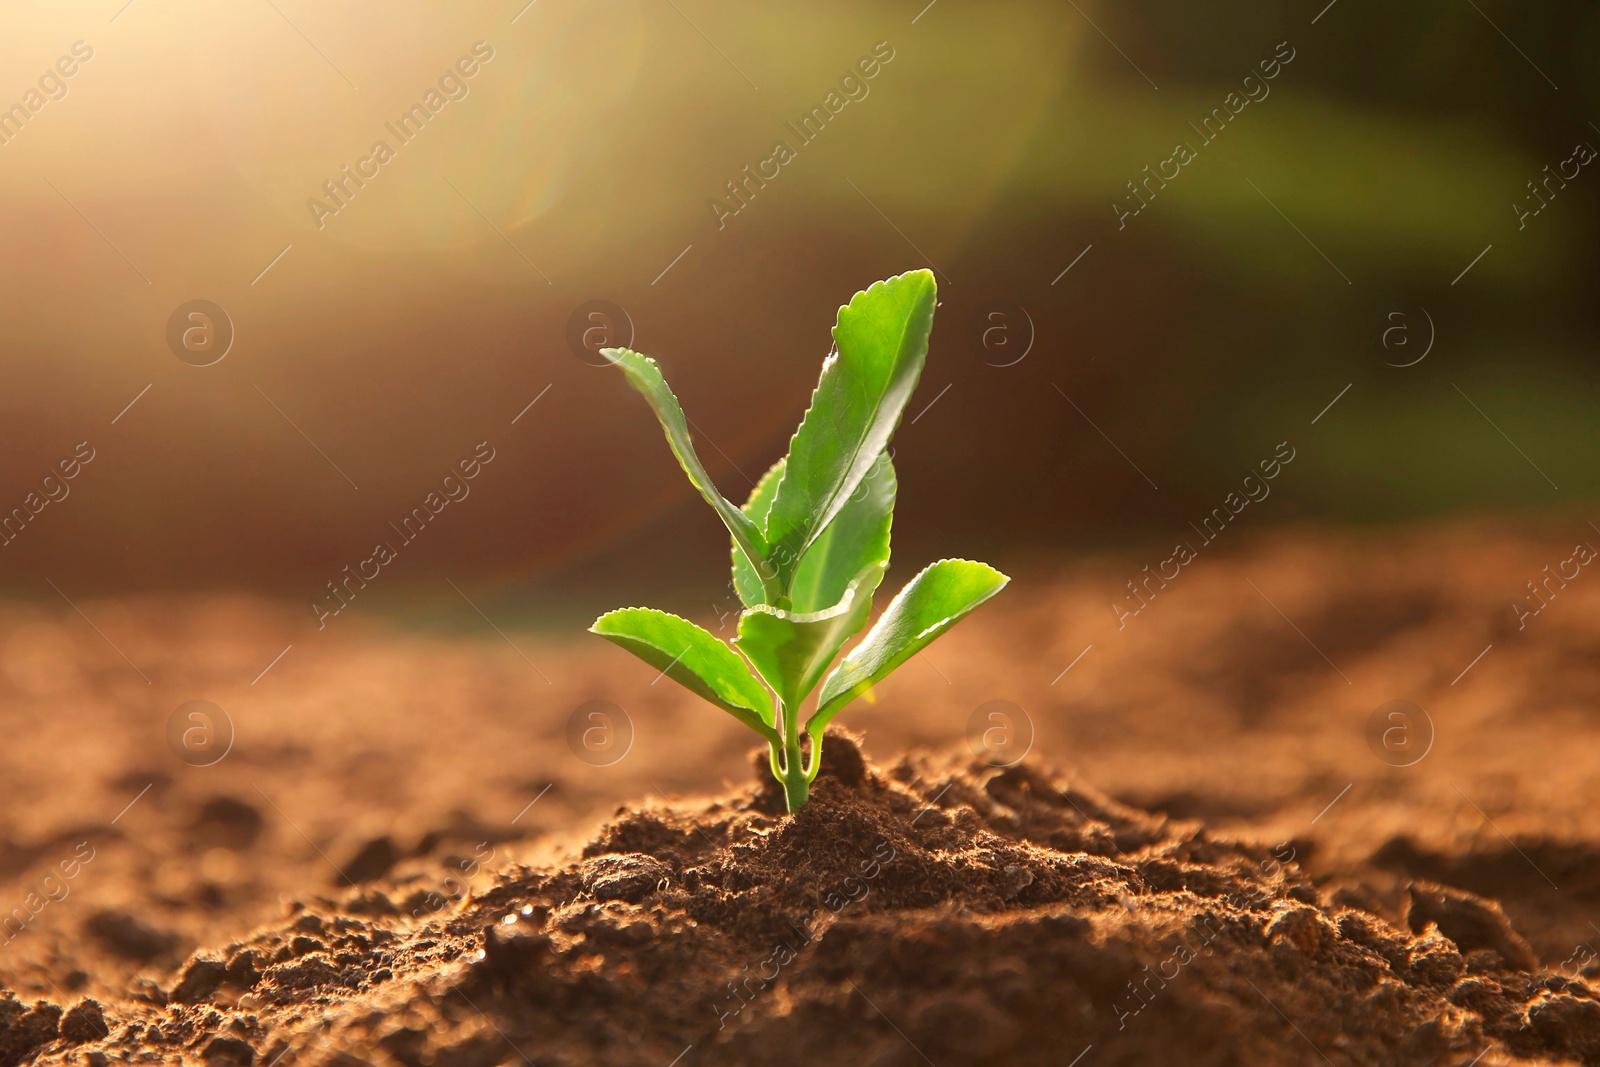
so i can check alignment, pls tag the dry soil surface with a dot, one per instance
(1219, 840)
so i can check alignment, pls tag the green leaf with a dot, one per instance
(930, 604)
(645, 376)
(747, 576)
(792, 649)
(694, 658)
(858, 536)
(882, 342)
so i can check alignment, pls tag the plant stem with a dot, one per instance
(795, 786)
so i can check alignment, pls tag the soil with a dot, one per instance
(1209, 856)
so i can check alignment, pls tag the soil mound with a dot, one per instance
(931, 912)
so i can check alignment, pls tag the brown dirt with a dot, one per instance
(1266, 888)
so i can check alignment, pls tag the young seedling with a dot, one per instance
(811, 544)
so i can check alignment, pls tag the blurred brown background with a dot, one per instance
(579, 163)
(1340, 274)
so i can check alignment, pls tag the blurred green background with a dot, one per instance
(1346, 200)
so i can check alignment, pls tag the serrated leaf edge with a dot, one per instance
(1005, 581)
(832, 358)
(765, 732)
